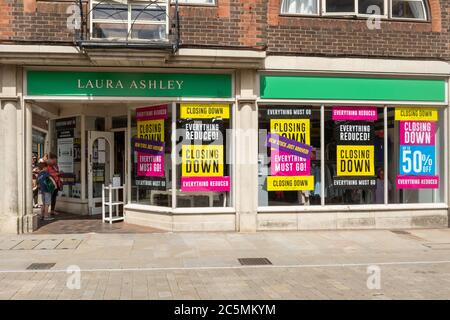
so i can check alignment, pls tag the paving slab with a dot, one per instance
(48, 244)
(28, 244)
(69, 244)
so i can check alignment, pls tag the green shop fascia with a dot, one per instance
(128, 84)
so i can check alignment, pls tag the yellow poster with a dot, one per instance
(202, 160)
(416, 114)
(294, 129)
(355, 160)
(204, 111)
(287, 183)
(151, 130)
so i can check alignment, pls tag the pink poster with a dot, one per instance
(417, 133)
(202, 184)
(354, 114)
(417, 182)
(151, 113)
(150, 165)
(286, 164)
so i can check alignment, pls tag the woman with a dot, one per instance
(35, 171)
(53, 170)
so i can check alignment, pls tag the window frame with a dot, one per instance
(317, 14)
(323, 207)
(129, 22)
(425, 11)
(214, 4)
(355, 13)
(387, 12)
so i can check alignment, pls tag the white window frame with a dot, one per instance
(424, 6)
(129, 21)
(194, 3)
(301, 14)
(387, 12)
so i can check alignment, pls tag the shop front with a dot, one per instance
(164, 136)
(339, 152)
(245, 151)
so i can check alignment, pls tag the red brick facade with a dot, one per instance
(254, 24)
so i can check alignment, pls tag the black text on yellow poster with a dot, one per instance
(290, 183)
(294, 129)
(202, 160)
(355, 161)
(151, 130)
(204, 111)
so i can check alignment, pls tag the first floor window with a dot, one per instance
(409, 9)
(137, 20)
(196, 1)
(299, 7)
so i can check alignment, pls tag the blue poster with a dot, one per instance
(417, 160)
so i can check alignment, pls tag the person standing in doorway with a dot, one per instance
(35, 172)
(47, 186)
(53, 170)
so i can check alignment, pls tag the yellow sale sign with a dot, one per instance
(287, 183)
(151, 129)
(202, 160)
(416, 114)
(204, 111)
(294, 129)
(355, 160)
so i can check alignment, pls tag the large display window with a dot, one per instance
(66, 144)
(416, 155)
(181, 155)
(327, 155)
(289, 156)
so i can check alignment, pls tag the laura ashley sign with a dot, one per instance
(141, 84)
(131, 84)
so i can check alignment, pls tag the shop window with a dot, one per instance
(416, 155)
(203, 152)
(66, 144)
(354, 155)
(289, 166)
(151, 162)
(134, 20)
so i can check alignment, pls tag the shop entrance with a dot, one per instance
(100, 167)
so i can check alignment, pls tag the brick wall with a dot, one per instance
(351, 37)
(36, 21)
(254, 24)
(232, 23)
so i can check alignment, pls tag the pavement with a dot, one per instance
(365, 264)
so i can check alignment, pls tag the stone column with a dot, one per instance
(246, 153)
(9, 186)
(15, 169)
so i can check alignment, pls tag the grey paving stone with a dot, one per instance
(69, 244)
(27, 244)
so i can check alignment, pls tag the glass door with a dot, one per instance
(100, 166)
